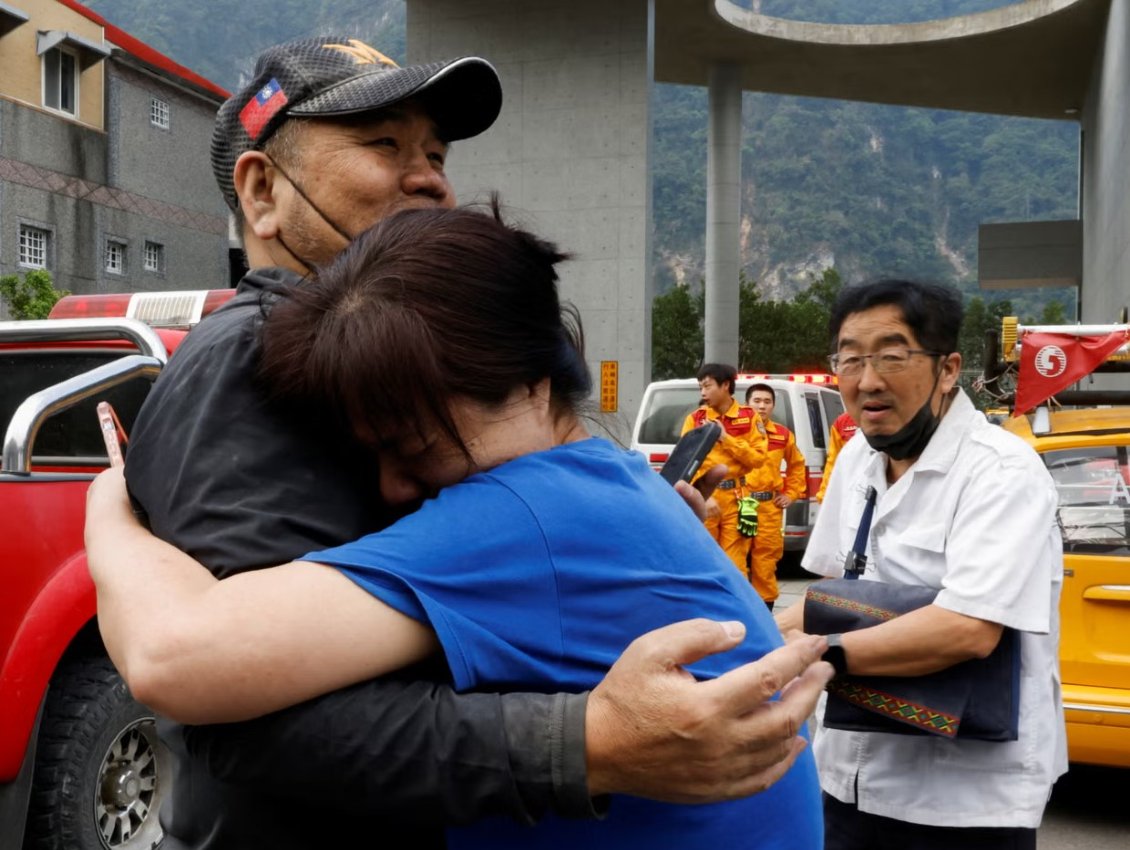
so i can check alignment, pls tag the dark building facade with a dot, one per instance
(104, 174)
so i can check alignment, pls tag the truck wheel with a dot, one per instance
(100, 770)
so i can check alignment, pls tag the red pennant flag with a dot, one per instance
(1049, 362)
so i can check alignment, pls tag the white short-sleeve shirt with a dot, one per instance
(974, 516)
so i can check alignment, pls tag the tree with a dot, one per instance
(1054, 313)
(30, 297)
(773, 336)
(786, 336)
(823, 290)
(676, 334)
(980, 317)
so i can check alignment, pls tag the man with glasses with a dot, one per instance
(955, 497)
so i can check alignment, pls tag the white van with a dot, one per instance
(807, 404)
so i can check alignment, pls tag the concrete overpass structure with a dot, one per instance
(571, 148)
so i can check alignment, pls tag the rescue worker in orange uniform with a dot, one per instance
(742, 448)
(843, 429)
(776, 484)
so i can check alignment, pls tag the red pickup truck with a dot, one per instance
(81, 767)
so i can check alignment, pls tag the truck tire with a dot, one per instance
(100, 770)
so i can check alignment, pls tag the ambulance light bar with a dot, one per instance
(156, 309)
(796, 377)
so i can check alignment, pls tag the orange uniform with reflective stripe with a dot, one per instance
(742, 448)
(843, 429)
(784, 473)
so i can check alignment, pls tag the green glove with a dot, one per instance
(747, 516)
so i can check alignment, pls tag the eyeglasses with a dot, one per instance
(883, 360)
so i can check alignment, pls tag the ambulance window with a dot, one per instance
(663, 420)
(833, 406)
(814, 420)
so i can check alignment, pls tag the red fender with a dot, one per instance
(64, 605)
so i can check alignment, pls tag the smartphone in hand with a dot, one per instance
(690, 452)
(113, 435)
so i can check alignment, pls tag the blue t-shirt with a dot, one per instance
(535, 576)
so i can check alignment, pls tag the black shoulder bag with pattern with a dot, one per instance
(977, 699)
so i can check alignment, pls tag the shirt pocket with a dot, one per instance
(921, 535)
(914, 555)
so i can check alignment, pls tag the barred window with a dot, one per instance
(115, 257)
(154, 257)
(33, 247)
(159, 113)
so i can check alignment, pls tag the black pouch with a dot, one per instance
(977, 699)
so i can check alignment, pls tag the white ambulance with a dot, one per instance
(807, 404)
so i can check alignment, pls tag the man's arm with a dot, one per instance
(795, 476)
(413, 751)
(648, 730)
(919, 642)
(986, 586)
(914, 644)
(748, 451)
(653, 731)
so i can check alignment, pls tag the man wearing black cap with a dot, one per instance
(329, 137)
(332, 136)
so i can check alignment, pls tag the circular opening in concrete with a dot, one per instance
(866, 11)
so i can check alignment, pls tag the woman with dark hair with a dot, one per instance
(535, 554)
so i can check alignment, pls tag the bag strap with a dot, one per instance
(856, 561)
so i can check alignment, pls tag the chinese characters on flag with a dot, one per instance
(1049, 362)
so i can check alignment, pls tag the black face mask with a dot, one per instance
(910, 440)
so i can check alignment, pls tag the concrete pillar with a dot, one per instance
(568, 153)
(723, 209)
(1105, 186)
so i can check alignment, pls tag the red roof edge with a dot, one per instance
(144, 52)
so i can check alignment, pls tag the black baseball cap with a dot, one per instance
(336, 76)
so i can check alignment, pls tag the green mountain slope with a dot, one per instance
(871, 189)
(218, 38)
(874, 190)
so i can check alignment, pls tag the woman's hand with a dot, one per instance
(108, 500)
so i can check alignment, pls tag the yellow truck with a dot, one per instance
(1084, 438)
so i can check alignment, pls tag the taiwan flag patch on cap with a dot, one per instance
(262, 108)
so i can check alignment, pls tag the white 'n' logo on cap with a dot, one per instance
(362, 53)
